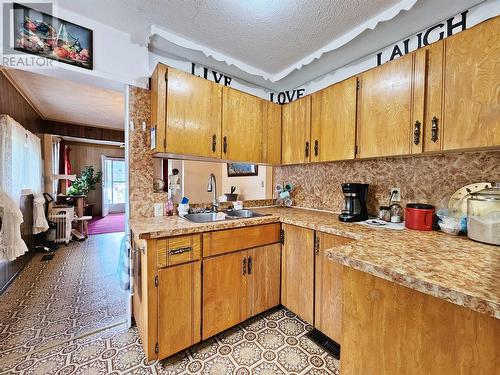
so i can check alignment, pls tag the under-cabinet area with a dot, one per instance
(194, 281)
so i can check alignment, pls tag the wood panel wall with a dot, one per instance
(82, 155)
(12, 103)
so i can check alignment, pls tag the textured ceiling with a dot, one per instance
(277, 44)
(71, 102)
(269, 35)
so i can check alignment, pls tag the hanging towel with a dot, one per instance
(11, 242)
(124, 267)
(40, 223)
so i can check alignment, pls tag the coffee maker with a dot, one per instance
(355, 197)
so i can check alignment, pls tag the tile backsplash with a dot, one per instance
(422, 179)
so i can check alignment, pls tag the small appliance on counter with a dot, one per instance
(355, 197)
(483, 215)
(419, 216)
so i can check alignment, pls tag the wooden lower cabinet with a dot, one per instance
(179, 308)
(328, 288)
(225, 301)
(264, 272)
(390, 329)
(239, 285)
(297, 271)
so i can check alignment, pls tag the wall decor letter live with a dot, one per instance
(217, 77)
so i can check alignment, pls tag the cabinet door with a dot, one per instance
(241, 126)
(264, 277)
(179, 308)
(432, 133)
(333, 122)
(158, 106)
(271, 133)
(297, 271)
(296, 131)
(384, 107)
(328, 287)
(225, 297)
(193, 115)
(471, 87)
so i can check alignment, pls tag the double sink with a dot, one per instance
(208, 217)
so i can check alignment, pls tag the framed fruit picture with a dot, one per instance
(43, 35)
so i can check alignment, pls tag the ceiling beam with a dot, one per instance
(80, 131)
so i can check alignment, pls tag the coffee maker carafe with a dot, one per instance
(355, 197)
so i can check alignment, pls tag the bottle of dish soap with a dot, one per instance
(169, 207)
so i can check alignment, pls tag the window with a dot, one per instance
(115, 178)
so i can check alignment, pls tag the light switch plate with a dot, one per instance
(158, 209)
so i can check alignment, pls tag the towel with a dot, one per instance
(40, 223)
(124, 264)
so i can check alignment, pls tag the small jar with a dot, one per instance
(384, 213)
(396, 213)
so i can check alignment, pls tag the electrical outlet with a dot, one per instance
(397, 195)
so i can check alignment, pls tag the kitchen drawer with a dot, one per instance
(178, 250)
(226, 241)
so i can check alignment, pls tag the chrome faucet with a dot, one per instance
(212, 188)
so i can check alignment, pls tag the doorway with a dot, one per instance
(113, 185)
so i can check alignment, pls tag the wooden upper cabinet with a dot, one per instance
(433, 110)
(297, 271)
(296, 131)
(186, 111)
(384, 109)
(271, 133)
(472, 87)
(241, 126)
(333, 122)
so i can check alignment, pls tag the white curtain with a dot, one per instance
(56, 145)
(20, 170)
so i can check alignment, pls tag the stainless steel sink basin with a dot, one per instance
(209, 217)
(243, 214)
(203, 217)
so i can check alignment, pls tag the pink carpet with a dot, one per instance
(108, 224)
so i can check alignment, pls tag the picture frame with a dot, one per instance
(242, 169)
(43, 35)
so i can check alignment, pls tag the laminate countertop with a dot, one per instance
(452, 268)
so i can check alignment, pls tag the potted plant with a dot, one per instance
(86, 182)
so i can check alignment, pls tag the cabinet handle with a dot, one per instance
(180, 250)
(244, 266)
(316, 246)
(214, 142)
(416, 132)
(250, 262)
(434, 129)
(307, 149)
(224, 144)
(316, 148)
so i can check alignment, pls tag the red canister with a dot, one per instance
(418, 216)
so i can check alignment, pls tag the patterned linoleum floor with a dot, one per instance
(49, 318)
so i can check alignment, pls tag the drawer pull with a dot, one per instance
(180, 250)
